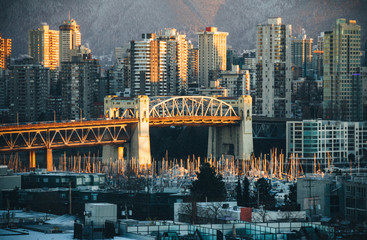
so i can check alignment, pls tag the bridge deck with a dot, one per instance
(193, 121)
(64, 125)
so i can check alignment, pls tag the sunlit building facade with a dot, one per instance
(177, 57)
(70, 38)
(149, 66)
(43, 46)
(5, 51)
(212, 54)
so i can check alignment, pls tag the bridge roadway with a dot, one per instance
(53, 135)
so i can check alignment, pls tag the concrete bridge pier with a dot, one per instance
(32, 159)
(112, 152)
(50, 162)
(140, 140)
(233, 140)
(138, 146)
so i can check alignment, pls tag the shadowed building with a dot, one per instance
(302, 56)
(79, 84)
(342, 80)
(274, 74)
(29, 91)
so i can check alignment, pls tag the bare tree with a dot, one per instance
(213, 211)
(288, 216)
(261, 215)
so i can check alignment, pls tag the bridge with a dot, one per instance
(127, 127)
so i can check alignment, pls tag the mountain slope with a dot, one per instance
(107, 24)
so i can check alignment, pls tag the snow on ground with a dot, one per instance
(32, 235)
(38, 236)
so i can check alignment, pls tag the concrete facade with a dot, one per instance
(355, 192)
(140, 142)
(138, 147)
(98, 213)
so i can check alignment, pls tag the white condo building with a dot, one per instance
(320, 139)
(148, 66)
(177, 60)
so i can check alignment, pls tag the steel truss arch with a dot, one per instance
(192, 106)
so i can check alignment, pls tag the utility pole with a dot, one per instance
(126, 212)
(81, 114)
(70, 207)
(310, 198)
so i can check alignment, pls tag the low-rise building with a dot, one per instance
(55, 179)
(355, 192)
(8, 181)
(321, 196)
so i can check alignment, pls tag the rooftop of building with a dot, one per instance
(43, 172)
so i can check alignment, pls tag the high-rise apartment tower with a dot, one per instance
(177, 57)
(274, 73)
(43, 46)
(5, 51)
(342, 80)
(148, 66)
(212, 53)
(69, 39)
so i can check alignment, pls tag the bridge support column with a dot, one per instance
(50, 162)
(32, 159)
(234, 140)
(120, 153)
(112, 153)
(140, 140)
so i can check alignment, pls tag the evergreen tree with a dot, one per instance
(239, 196)
(209, 186)
(264, 197)
(246, 192)
(293, 194)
